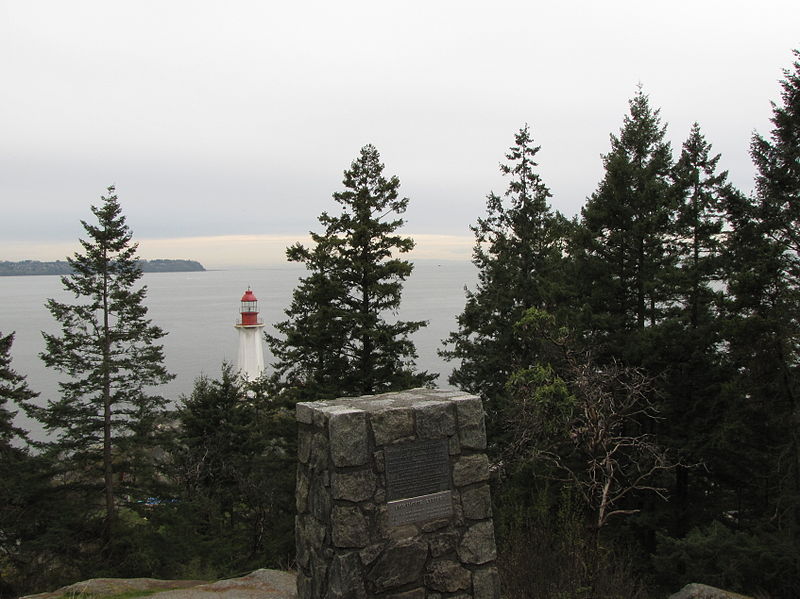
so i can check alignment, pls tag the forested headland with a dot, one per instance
(639, 366)
(61, 267)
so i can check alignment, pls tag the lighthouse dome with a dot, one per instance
(249, 296)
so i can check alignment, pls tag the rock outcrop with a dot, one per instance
(261, 584)
(702, 591)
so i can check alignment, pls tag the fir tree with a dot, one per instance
(622, 247)
(745, 431)
(233, 460)
(765, 313)
(778, 179)
(311, 356)
(626, 263)
(15, 465)
(104, 423)
(689, 354)
(336, 340)
(519, 253)
(13, 390)
(698, 229)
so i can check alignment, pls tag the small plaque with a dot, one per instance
(420, 509)
(417, 468)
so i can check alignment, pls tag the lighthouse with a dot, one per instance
(249, 325)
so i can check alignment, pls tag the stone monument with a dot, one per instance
(393, 498)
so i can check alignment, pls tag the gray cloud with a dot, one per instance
(240, 118)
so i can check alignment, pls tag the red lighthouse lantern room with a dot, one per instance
(249, 312)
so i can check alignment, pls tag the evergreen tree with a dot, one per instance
(778, 178)
(311, 356)
(233, 461)
(35, 552)
(14, 464)
(13, 390)
(626, 263)
(336, 340)
(519, 253)
(621, 247)
(765, 313)
(743, 502)
(700, 192)
(104, 423)
(746, 531)
(689, 353)
(214, 425)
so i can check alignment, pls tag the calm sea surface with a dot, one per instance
(198, 311)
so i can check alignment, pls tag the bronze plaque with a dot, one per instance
(420, 509)
(417, 468)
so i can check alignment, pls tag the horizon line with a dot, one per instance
(217, 251)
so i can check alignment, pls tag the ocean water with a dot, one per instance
(199, 309)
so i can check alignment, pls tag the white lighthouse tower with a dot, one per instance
(251, 353)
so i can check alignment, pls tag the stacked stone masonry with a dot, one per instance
(359, 538)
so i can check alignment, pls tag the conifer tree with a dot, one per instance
(625, 258)
(336, 340)
(688, 356)
(765, 312)
(753, 439)
(310, 356)
(621, 247)
(104, 422)
(14, 466)
(32, 553)
(233, 459)
(778, 179)
(743, 425)
(698, 229)
(13, 390)
(519, 253)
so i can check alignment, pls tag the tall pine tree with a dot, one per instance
(337, 340)
(519, 253)
(735, 390)
(626, 262)
(103, 424)
(13, 390)
(15, 463)
(689, 356)
(765, 321)
(622, 252)
(698, 232)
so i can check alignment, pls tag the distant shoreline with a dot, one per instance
(61, 267)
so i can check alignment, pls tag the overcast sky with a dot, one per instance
(226, 125)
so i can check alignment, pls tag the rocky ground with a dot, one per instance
(261, 584)
(703, 591)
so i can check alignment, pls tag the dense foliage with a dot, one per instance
(15, 462)
(231, 464)
(687, 281)
(13, 390)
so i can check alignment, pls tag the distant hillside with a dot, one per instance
(60, 267)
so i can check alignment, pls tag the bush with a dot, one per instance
(548, 552)
(750, 562)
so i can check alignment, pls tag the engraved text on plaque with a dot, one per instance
(419, 509)
(416, 468)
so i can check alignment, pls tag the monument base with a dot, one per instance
(393, 498)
